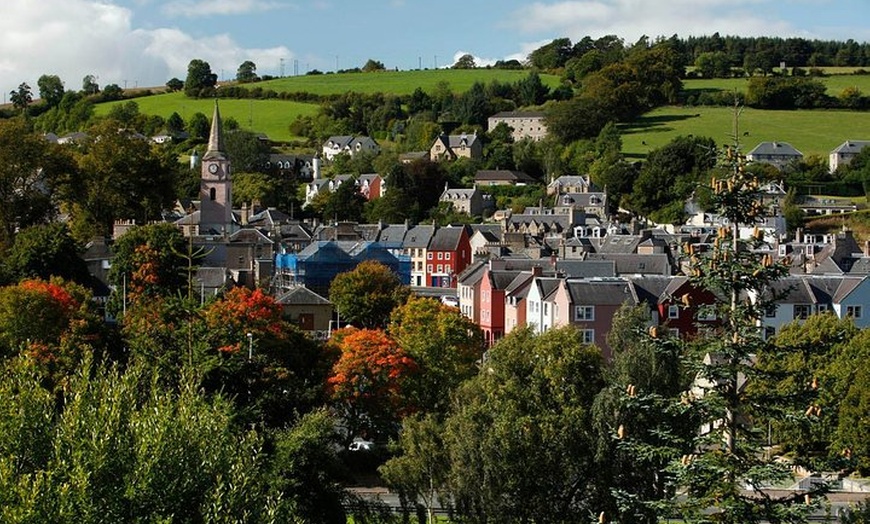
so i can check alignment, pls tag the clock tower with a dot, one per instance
(216, 185)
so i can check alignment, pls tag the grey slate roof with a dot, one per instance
(775, 148)
(634, 264)
(851, 146)
(446, 238)
(601, 292)
(393, 234)
(472, 274)
(419, 236)
(519, 114)
(301, 295)
(488, 175)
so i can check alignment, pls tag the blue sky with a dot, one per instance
(147, 42)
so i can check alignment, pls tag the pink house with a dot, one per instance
(493, 287)
(590, 304)
(515, 299)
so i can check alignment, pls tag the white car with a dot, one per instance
(450, 300)
(359, 444)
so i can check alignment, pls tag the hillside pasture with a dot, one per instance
(398, 82)
(812, 132)
(834, 83)
(271, 116)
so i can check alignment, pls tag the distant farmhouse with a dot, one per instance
(845, 152)
(778, 154)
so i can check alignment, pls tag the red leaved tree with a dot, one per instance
(273, 370)
(54, 322)
(369, 382)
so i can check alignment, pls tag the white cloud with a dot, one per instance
(631, 19)
(221, 52)
(74, 38)
(220, 7)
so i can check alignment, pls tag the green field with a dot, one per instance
(398, 82)
(272, 116)
(812, 132)
(834, 83)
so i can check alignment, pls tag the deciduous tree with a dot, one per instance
(368, 383)
(22, 97)
(446, 345)
(50, 89)
(199, 78)
(43, 251)
(367, 295)
(30, 169)
(520, 439)
(247, 72)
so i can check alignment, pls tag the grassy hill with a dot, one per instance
(272, 116)
(398, 82)
(812, 132)
(834, 83)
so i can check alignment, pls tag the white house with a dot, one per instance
(845, 152)
(351, 145)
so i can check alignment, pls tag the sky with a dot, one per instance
(143, 43)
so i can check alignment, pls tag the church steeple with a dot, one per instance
(216, 185)
(215, 136)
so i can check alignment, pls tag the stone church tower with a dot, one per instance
(216, 184)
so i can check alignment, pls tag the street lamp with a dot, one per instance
(250, 346)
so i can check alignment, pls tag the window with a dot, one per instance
(802, 311)
(440, 268)
(440, 256)
(853, 311)
(546, 308)
(674, 311)
(586, 313)
(446, 256)
(770, 311)
(429, 256)
(821, 308)
(769, 332)
(588, 336)
(429, 268)
(212, 194)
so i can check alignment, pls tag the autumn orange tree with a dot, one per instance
(149, 261)
(274, 370)
(445, 344)
(369, 381)
(54, 322)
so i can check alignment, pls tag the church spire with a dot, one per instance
(215, 136)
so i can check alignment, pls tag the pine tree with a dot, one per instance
(723, 473)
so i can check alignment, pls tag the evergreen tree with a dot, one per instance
(727, 474)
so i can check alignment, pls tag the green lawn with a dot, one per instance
(812, 132)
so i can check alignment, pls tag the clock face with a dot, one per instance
(213, 168)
